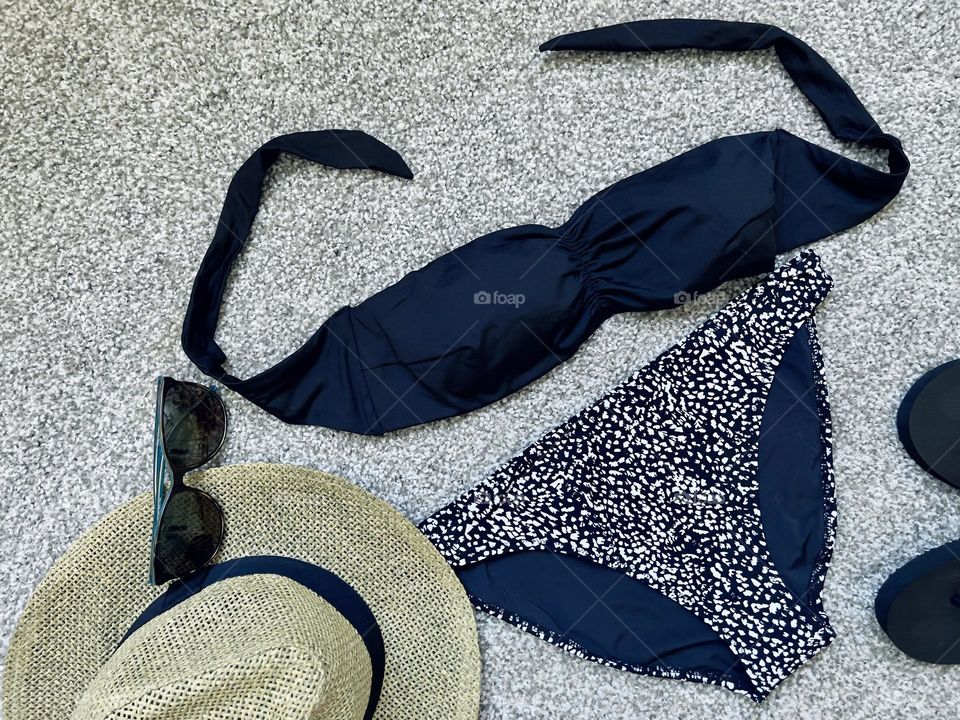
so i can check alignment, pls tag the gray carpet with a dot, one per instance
(122, 124)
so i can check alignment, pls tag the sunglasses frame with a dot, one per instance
(177, 474)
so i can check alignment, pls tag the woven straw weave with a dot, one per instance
(247, 647)
(87, 602)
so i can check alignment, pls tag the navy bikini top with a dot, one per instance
(486, 319)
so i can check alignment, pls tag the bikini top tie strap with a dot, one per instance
(341, 149)
(802, 166)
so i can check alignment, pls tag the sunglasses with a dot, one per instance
(189, 428)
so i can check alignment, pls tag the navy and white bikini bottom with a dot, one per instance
(680, 526)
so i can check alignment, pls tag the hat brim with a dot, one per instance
(85, 604)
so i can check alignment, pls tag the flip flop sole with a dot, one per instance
(928, 422)
(919, 606)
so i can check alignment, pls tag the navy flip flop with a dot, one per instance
(928, 422)
(918, 606)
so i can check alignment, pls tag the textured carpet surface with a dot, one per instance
(123, 122)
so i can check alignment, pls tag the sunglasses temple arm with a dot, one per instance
(159, 463)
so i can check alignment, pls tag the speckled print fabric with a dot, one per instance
(658, 480)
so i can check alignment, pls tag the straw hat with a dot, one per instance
(253, 645)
